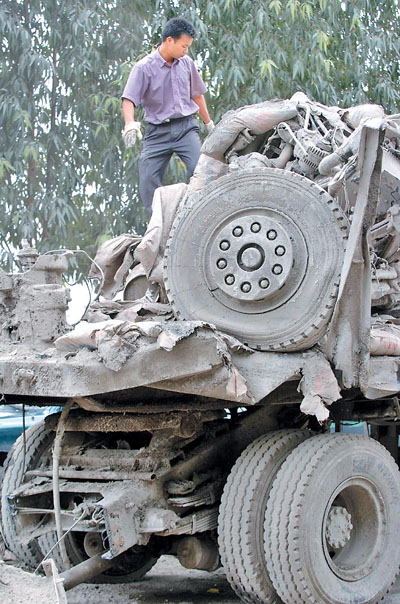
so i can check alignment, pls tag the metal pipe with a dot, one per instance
(285, 155)
(85, 571)
(56, 478)
(227, 446)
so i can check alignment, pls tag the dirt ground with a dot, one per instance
(166, 583)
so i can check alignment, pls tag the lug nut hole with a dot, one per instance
(255, 227)
(224, 245)
(229, 279)
(221, 263)
(245, 287)
(264, 283)
(237, 231)
(280, 250)
(272, 234)
(277, 269)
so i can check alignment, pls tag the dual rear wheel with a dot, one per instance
(311, 520)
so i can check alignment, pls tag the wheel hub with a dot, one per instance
(250, 258)
(338, 527)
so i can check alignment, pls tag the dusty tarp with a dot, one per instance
(251, 160)
(150, 251)
(318, 385)
(385, 336)
(258, 118)
(355, 115)
(114, 257)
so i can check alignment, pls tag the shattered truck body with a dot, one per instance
(196, 417)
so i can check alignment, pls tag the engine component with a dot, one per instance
(198, 552)
(33, 303)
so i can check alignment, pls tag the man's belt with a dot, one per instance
(169, 120)
(176, 119)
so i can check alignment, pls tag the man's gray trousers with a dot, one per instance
(180, 136)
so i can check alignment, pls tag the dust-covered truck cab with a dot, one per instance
(202, 407)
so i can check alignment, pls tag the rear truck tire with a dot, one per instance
(131, 566)
(332, 522)
(242, 513)
(258, 253)
(22, 458)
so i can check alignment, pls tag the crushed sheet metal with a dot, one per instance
(116, 341)
(82, 374)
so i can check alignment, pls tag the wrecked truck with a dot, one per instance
(203, 395)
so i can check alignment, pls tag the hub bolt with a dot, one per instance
(272, 234)
(221, 263)
(237, 231)
(224, 245)
(255, 227)
(280, 250)
(264, 283)
(245, 287)
(229, 279)
(277, 269)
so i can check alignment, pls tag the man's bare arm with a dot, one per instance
(201, 103)
(128, 110)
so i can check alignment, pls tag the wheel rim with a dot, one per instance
(258, 254)
(248, 261)
(353, 530)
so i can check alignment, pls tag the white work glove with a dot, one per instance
(130, 133)
(209, 127)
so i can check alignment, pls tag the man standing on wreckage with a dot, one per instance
(168, 86)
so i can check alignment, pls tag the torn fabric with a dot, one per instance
(114, 257)
(318, 385)
(150, 251)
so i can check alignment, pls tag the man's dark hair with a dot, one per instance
(176, 27)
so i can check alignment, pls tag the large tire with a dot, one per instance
(131, 566)
(21, 458)
(259, 254)
(242, 513)
(332, 522)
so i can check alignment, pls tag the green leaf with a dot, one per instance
(276, 5)
(266, 67)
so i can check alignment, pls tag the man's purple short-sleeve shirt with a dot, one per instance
(164, 91)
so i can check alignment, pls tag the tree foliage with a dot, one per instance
(64, 174)
(336, 51)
